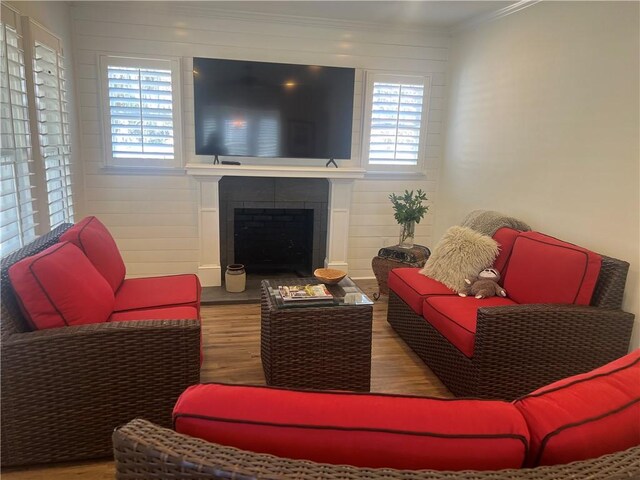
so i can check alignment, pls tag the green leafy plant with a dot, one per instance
(409, 207)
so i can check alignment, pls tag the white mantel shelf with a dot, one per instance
(204, 169)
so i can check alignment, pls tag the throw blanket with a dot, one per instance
(488, 222)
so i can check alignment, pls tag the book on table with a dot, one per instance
(292, 293)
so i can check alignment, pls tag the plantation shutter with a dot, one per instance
(141, 112)
(396, 120)
(53, 130)
(49, 125)
(17, 214)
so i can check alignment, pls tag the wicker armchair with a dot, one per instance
(519, 348)
(146, 451)
(64, 390)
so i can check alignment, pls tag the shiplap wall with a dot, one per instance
(154, 217)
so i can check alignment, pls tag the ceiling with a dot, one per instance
(442, 14)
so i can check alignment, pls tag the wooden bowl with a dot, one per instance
(329, 275)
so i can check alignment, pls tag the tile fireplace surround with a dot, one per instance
(340, 189)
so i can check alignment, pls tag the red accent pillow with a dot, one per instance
(93, 238)
(505, 237)
(543, 269)
(60, 287)
(364, 430)
(585, 416)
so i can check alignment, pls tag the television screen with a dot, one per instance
(258, 109)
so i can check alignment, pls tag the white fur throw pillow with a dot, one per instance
(461, 253)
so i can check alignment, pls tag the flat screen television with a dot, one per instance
(259, 109)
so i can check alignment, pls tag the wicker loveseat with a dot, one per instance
(504, 348)
(146, 451)
(65, 389)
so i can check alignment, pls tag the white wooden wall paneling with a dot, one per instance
(154, 217)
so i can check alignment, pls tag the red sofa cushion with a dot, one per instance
(60, 287)
(411, 286)
(585, 416)
(456, 317)
(363, 430)
(505, 237)
(543, 269)
(93, 238)
(156, 292)
(170, 313)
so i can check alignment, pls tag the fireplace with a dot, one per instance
(274, 240)
(274, 225)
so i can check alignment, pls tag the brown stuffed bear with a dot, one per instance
(484, 285)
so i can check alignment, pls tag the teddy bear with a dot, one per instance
(484, 285)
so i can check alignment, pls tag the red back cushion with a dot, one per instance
(543, 269)
(585, 416)
(93, 238)
(505, 237)
(59, 286)
(364, 430)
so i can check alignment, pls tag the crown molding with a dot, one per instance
(204, 9)
(492, 16)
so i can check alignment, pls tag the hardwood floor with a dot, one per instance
(231, 335)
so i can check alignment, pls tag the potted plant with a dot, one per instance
(409, 210)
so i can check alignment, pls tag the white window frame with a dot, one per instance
(133, 162)
(35, 33)
(372, 77)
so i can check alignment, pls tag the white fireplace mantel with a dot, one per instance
(204, 169)
(340, 189)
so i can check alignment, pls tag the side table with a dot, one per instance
(389, 258)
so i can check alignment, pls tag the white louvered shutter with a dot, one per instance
(17, 214)
(53, 131)
(141, 112)
(396, 120)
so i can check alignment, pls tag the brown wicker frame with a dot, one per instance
(522, 347)
(144, 451)
(64, 390)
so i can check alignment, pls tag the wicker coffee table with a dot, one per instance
(324, 345)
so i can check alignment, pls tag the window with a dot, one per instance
(141, 101)
(395, 122)
(50, 135)
(17, 214)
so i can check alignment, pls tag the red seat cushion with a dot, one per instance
(505, 237)
(543, 269)
(93, 238)
(411, 286)
(585, 416)
(455, 318)
(170, 313)
(364, 430)
(156, 292)
(60, 287)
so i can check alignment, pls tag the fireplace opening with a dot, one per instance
(274, 240)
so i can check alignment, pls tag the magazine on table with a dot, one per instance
(304, 292)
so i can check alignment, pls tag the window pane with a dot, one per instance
(141, 112)
(52, 125)
(396, 122)
(16, 202)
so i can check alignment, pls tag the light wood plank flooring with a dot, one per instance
(231, 335)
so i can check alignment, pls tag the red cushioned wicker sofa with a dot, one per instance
(84, 349)
(237, 431)
(562, 316)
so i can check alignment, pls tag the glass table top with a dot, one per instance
(344, 293)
